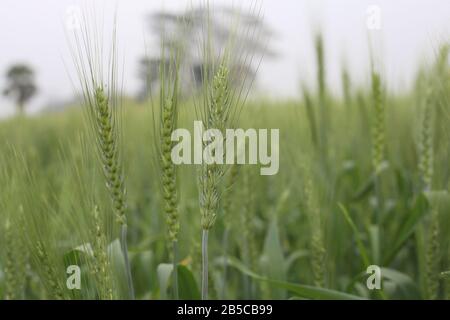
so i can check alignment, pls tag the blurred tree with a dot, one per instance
(20, 85)
(149, 74)
(243, 33)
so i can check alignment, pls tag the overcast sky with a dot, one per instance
(33, 32)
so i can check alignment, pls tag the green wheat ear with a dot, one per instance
(324, 110)
(211, 174)
(426, 145)
(169, 170)
(229, 192)
(109, 155)
(426, 156)
(217, 108)
(378, 131)
(101, 103)
(164, 126)
(12, 273)
(50, 274)
(220, 99)
(108, 150)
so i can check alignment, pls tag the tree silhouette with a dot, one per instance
(247, 30)
(20, 85)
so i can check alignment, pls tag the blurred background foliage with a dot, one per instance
(310, 231)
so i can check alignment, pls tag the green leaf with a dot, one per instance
(438, 200)
(164, 271)
(407, 227)
(293, 257)
(299, 290)
(419, 237)
(118, 266)
(78, 255)
(374, 237)
(187, 286)
(364, 190)
(144, 269)
(369, 185)
(399, 285)
(311, 292)
(362, 249)
(274, 252)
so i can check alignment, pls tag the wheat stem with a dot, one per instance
(102, 265)
(378, 144)
(169, 179)
(50, 273)
(225, 262)
(317, 241)
(205, 264)
(123, 242)
(175, 270)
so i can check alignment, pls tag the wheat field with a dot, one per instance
(363, 181)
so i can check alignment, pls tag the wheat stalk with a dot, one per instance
(101, 262)
(227, 208)
(322, 94)
(378, 140)
(211, 174)
(249, 248)
(432, 256)
(426, 145)
(169, 181)
(317, 241)
(310, 113)
(101, 99)
(15, 265)
(378, 131)
(51, 278)
(169, 93)
(220, 109)
(426, 169)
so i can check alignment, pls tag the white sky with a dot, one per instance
(33, 32)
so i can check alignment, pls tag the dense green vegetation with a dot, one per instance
(363, 180)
